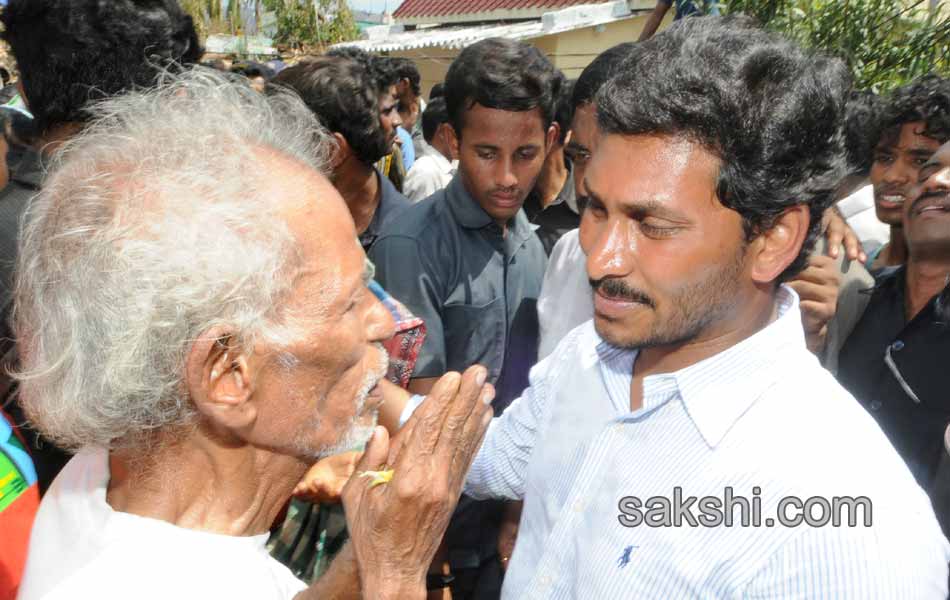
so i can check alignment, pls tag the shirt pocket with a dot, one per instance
(475, 334)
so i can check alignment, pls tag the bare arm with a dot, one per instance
(653, 23)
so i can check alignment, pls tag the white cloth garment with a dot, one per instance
(566, 298)
(428, 175)
(82, 548)
(762, 415)
(858, 210)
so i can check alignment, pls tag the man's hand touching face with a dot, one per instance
(396, 526)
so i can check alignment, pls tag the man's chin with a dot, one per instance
(615, 334)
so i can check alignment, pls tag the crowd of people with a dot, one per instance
(276, 331)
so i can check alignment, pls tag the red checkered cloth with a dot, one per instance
(404, 347)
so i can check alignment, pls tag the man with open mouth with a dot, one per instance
(895, 360)
(908, 136)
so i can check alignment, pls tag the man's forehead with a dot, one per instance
(653, 164)
(513, 123)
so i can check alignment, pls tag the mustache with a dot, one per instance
(617, 288)
(936, 194)
(505, 191)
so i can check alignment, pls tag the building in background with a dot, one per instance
(570, 32)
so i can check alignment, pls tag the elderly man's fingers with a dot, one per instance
(429, 418)
(374, 459)
(467, 443)
(466, 402)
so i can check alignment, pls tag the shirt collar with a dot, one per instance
(717, 391)
(390, 200)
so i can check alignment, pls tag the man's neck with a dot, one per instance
(895, 252)
(669, 359)
(552, 178)
(442, 149)
(926, 277)
(359, 186)
(55, 136)
(200, 484)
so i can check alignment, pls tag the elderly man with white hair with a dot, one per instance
(192, 316)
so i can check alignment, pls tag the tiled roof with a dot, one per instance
(394, 38)
(416, 9)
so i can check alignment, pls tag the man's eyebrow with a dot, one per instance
(577, 146)
(646, 208)
(921, 152)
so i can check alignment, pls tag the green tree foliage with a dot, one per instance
(321, 23)
(211, 16)
(885, 42)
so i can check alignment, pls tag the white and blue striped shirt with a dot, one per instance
(761, 414)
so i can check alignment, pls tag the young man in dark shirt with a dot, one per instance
(895, 361)
(343, 94)
(552, 204)
(468, 262)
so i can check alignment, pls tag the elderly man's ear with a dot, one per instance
(219, 381)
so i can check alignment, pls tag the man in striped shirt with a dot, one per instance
(685, 443)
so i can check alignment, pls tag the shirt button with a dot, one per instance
(897, 346)
(875, 405)
(579, 506)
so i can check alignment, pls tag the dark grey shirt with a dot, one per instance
(448, 262)
(391, 203)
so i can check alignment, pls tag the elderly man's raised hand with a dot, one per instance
(396, 524)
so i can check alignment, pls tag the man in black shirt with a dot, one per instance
(552, 204)
(343, 93)
(896, 360)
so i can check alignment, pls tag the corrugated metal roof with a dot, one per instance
(395, 37)
(414, 9)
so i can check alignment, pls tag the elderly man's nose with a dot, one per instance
(380, 323)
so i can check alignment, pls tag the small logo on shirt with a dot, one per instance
(624, 559)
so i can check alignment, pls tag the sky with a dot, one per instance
(375, 6)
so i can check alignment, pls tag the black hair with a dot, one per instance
(770, 111)
(437, 91)
(861, 130)
(926, 99)
(380, 68)
(564, 109)
(406, 69)
(384, 72)
(598, 72)
(502, 74)
(434, 115)
(71, 52)
(342, 95)
(251, 69)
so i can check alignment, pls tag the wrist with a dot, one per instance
(392, 589)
